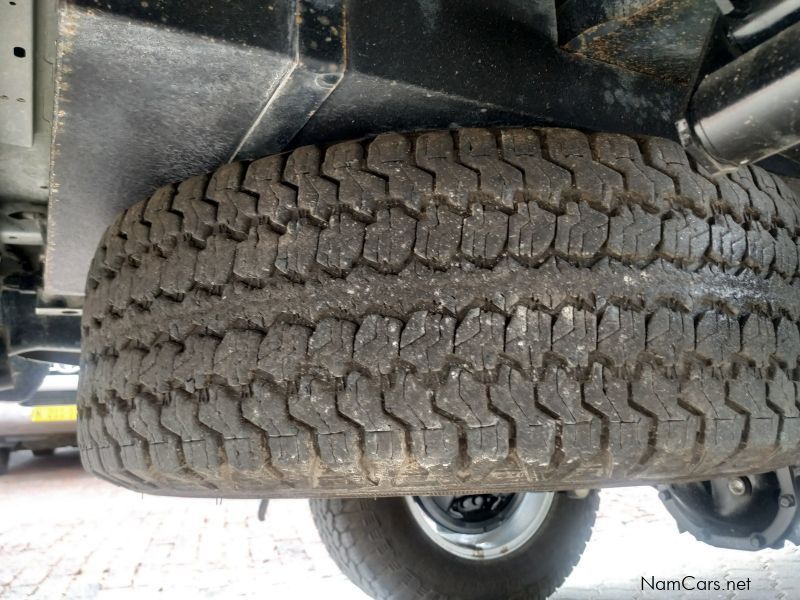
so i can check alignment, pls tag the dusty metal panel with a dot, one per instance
(16, 73)
(142, 103)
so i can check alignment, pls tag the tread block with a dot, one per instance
(531, 231)
(276, 200)
(575, 335)
(785, 254)
(377, 343)
(114, 255)
(361, 401)
(388, 241)
(675, 428)
(236, 356)
(165, 452)
(732, 197)
(621, 335)
(136, 232)
(581, 231)
(622, 154)
(283, 349)
(267, 408)
(484, 237)
(479, 339)
(728, 240)
(315, 405)
(390, 154)
(255, 257)
(201, 450)
(670, 334)
(784, 211)
(120, 291)
(215, 262)
(718, 337)
(438, 236)
(236, 209)
(125, 374)
(570, 149)
(758, 339)
(316, 195)
(158, 367)
(197, 216)
(782, 395)
(499, 180)
(427, 340)
(165, 224)
(633, 233)
(760, 248)
(177, 274)
(747, 393)
(340, 244)
(628, 429)
(560, 394)
(544, 180)
(535, 431)
(434, 440)
(146, 285)
(242, 443)
(685, 238)
(670, 158)
(723, 426)
(528, 336)
(787, 342)
(436, 152)
(760, 203)
(194, 366)
(331, 345)
(297, 249)
(467, 400)
(359, 190)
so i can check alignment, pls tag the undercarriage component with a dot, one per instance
(480, 526)
(42, 337)
(762, 20)
(469, 547)
(747, 110)
(749, 512)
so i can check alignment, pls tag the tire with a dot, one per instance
(441, 312)
(378, 545)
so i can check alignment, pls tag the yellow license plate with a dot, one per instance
(45, 414)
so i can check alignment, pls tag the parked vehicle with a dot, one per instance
(464, 263)
(43, 417)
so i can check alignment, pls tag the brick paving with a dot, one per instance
(64, 534)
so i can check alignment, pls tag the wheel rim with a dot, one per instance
(480, 526)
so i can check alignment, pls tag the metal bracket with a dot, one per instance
(319, 64)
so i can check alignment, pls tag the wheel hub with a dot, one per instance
(480, 526)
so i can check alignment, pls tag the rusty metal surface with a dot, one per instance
(661, 38)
